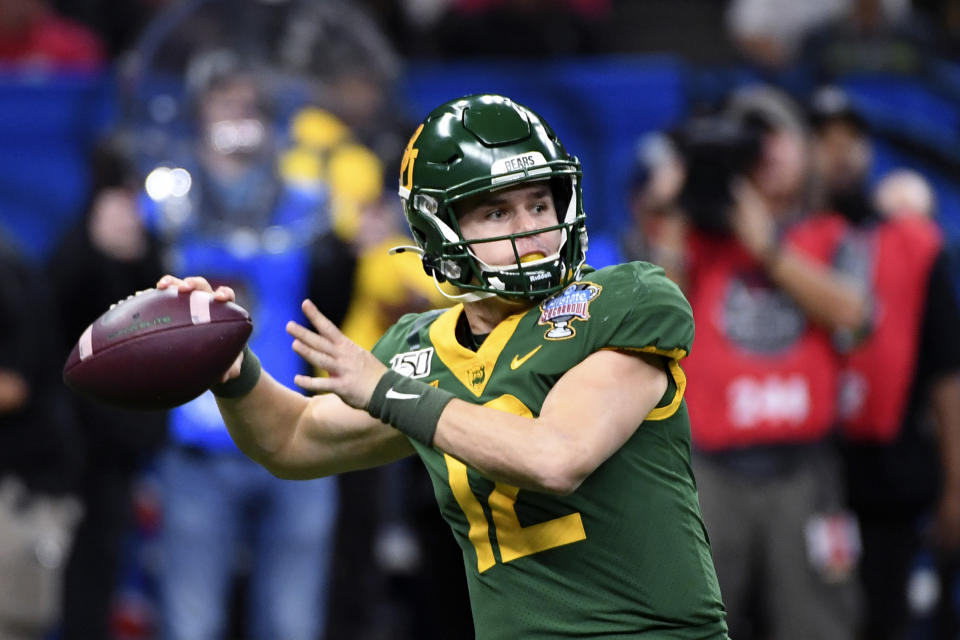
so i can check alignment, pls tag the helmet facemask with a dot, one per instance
(456, 261)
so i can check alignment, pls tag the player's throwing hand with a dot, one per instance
(353, 371)
(220, 294)
(197, 283)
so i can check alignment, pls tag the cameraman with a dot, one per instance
(762, 395)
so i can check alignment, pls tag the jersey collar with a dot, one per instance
(472, 369)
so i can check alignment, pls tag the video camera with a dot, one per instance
(716, 150)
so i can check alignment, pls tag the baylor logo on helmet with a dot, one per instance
(406, 164)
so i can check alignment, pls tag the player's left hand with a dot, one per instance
(353, 371)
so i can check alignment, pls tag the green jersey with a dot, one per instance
(625, 555)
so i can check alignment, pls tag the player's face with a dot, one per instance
(510, 211)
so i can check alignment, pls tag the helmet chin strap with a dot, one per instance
(474, 296)
(470, 296)
(488, 268)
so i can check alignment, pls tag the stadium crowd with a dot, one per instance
(800, 189)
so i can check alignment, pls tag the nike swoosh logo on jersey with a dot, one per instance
(397, 395)
(517, 361)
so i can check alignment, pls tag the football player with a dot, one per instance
(547, 404)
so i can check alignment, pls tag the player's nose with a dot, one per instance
(527, 221)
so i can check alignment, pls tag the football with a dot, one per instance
(157, 349)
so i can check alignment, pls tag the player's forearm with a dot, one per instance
(298, 437)
(263, 423)
(826, 297)
(590, 412)
(504, 447)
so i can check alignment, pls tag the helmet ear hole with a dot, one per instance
(429, 262)
(562, 190)
(432, 268)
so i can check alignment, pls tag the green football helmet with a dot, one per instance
(477, 144)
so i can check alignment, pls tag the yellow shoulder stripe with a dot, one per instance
(679, 378)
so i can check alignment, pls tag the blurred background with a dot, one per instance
(259, 142)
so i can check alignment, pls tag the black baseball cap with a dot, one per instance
(832, 103)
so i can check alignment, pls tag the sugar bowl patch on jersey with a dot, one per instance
(560, 310)
(631, 306)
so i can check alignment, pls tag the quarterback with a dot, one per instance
(547, 404)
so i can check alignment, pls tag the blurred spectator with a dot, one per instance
(354, 71)
(842, 154)
(224, 211)
(763, 373)
(107, 257)
(34, 36)
(389, 509)
(386, 286)
(656, 229)
(38, 456)
(892, 378)
(904, 192)
(872, 36)
(392, 549)
(392, 544)
(770, 32)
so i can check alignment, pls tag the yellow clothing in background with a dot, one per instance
(386, 287)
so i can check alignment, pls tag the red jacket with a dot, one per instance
(878, 373)
(760, 372)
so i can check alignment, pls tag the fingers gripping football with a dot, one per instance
(197, 283)
(352, 371)
(221, 294)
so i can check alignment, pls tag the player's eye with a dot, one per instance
(496, 214)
